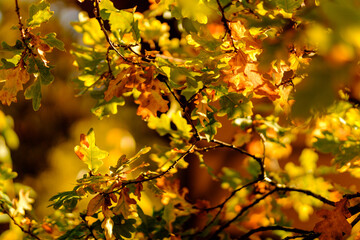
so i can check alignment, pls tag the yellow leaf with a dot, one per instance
(24, 202)
(14, 79)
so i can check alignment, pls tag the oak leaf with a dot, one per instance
(150, 101)
(123, 204)
(89, 153)
(14, 79)
(334, 226)
(124, 82)
(94, 204)
(24, 202)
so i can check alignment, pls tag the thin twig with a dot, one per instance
(355, 221)
(101, 23)
(307, 192)
(146, 179)
(221, 207)
(165, 80)
(272, 228)
(309, 236)
(194, 96)
(350, 196)
(226, 24)
(27, 231)
(227, 145)
(243, 210)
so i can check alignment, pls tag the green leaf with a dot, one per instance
(235, 106)
(230, 178)
(44, 72)
(10, 62)
(123, 227)
(104, 108)
(6, 174)
(51, 40)
(39, 13)
(121, 21)
(89, 153)
(163, 125)
(287, 5)
(106, 7)
(77, 232)
(68, 200)
(34, 92)
(17, 47)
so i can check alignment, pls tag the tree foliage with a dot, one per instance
(276, 70)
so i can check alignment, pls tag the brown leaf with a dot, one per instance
(123, 204)
(14, 79)
(124, 82)
(94, 204)
(139, 187)
(334, 226)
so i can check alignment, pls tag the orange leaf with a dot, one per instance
(334, 226)
(14, 80)
(150, 101)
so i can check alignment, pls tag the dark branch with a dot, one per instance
(243, 210)
(226, 24)
(101, 23)
(146, 179)
(165, 80)
(350, 196)
(307, 192)
(227, 145)
(272, 228)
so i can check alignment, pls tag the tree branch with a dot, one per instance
(243, 210)
(162, 173)
(307, 192)
(101, 23)
(226, 24)
(233, 147)
(271, 228)
(165, 80)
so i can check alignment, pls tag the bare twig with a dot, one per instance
(350, 196)
(355, 221)
(146, 179)
(101, 23)
(271, 228)
(233, 147)
(243, 210)
(307, 192)
(226, 24)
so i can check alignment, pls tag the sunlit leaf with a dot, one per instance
(39, 13)
(89, 153)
